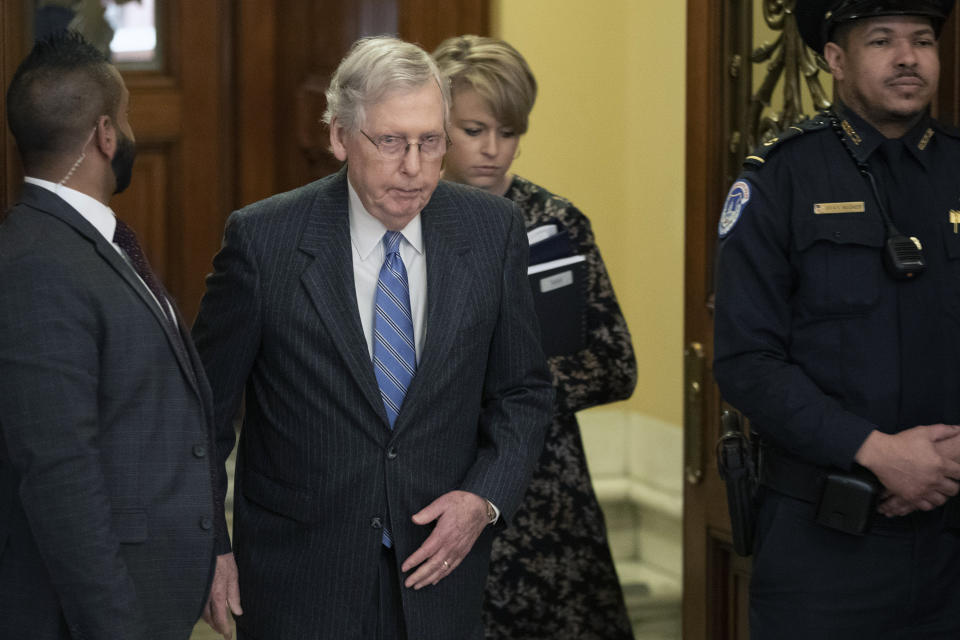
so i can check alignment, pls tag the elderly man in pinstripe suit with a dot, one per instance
(381, 324)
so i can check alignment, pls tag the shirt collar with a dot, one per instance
(93, 211)
(366, 232)
(866, 139)
(918, 140)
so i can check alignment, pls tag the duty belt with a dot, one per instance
(809, 483)
(845, 500)
(790, 476)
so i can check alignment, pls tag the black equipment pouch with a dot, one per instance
(848, 501)
(735, 461)
(844, 500)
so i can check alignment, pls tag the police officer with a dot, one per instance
(838, 336)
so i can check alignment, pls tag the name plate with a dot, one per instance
(821, 208)
(556, 281)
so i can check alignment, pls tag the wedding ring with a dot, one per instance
(446, 565)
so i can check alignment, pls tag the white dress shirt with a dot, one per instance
(103, 219)
(93, 211)
(366, 238)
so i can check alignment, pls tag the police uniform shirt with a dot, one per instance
(814, 341)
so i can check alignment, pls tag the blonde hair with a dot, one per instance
(493, 69)
(373, 68)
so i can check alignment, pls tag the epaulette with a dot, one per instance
(758, 156)
(946, 129)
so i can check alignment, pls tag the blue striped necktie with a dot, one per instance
(394, 353)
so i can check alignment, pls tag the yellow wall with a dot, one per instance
(607, 132)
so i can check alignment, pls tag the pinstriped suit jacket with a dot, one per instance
(106, 503)
(319, 467)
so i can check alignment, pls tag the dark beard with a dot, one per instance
(122, 163)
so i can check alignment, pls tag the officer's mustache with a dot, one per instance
(907, 74)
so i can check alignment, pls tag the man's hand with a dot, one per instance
(461, 517)
(911, 467)
(948, 447)
(224, 594)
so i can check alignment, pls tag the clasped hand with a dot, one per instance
(918, 467)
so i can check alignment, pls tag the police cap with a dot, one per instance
(817, 19)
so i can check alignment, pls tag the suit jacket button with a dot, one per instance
(199, 450)
(376, 523)
(206, 523)
(392, 453)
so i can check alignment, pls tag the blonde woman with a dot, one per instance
(551, 573)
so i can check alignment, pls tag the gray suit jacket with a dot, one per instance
(319, 470)
(107, 512)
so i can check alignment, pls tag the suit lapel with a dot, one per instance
(330, 285)
(448, 279)
(173, 334)
(43, 200)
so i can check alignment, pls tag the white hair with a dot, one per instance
(373, 68)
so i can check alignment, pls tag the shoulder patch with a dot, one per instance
(758, 156)
(737, 199)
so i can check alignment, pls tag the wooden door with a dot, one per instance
(232, 114)
(180, 116)
(183, 170)
(286, 52)
(15, 41)
(726, 115)
(714, 577)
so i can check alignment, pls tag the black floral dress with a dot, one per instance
(551, 572)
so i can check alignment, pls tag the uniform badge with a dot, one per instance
(737, 199)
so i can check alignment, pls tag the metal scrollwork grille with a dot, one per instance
(789, 60)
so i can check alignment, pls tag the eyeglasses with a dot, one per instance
(391, 147)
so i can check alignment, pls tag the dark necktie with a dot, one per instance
(394, 353)
(126, 239)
